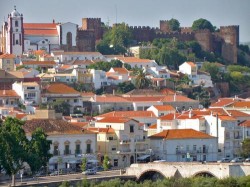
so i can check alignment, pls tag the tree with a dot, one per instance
(106, 162)
(14, 146)
(141, 81)
(39, 150)
(174, 24)
(246, 148)
(84, 164)
(212, 69)
(125, 87)
(202, 24)
(61, 106)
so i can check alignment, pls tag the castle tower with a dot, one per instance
(15, 33)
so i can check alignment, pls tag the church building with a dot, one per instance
(18, 37)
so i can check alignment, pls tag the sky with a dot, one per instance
(134, 12)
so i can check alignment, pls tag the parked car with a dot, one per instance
(224, 160)
(54, 173)
(247, 159)
(89, 172)
(237, 159)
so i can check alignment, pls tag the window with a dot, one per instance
(110, 138)
(56, 150)
(66, 151)
(194, 147)
(113, 148)
(16, 23)
(88, 150)
(115, 162)
(108, 126)
(30, 88)
(78, 151)
(16, 41)
(31, 95)
(75, 100)
(8, 61)
(131, 128)
(187, 147)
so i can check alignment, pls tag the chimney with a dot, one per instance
(190, 114)
(174, 96)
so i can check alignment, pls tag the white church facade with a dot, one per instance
(18, 37)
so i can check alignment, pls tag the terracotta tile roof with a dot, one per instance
(64, 66)
(164, 107)
(245, 123)
(80, 124)
(129, 114)
(87, 94)
(52, 63)
(157, 79)
(181, 134)
(114, 120)
(101, 130)
(145, 99)
(191, 64)
(113, 77)
(237, 113)
(60, 88)
(111, 99)
(7, 56)
(39, 52)
(154, 126)
(170, 116)
(177, 98)
(240, 104)
(52, 126)
(44, 29)
(20, 116)
(199, 112)
(167, 91)
(226, 118)
(219, 111)
(134, 60)
(121, 70)
(8, 93)
(223, 102)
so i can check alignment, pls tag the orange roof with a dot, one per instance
(133, 60)
(20, 116)
(237, 113)
(170, 116)
(245, 123)
(40, 32)
(199, 112)
(129, 114)
(167, 91)
(64, 66)
(181, 134)
(191, 64)
(219, 111)
(115, 120)
(39, 63)
(60, 88)
(223, 102)
(111, 99)
(241, 104)
(154, 126)
(121, 70)
(44, 29)
(80, 124)
(226, 118)
(8, 93)
(164, 107)
(7, 56)
(39, 52)
(39, 25)
(102, 130)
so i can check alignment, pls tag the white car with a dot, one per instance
(89, 172)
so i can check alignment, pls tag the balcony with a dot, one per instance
(141, 150)
(88, 151)
(237, 137)
(67, 152)
(78, 151)
(140, 141)
(125, 141)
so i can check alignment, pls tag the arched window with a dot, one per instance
(69, 40)
(16, 23)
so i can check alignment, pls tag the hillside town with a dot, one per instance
(129, 105)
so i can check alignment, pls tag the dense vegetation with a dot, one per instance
(169, 182)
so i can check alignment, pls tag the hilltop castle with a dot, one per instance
(18, 37)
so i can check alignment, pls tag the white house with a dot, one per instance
(181, 145)
(137, 62)
(29, 92)
(161, 110)
(9, 98)
(69, 142)
(71, 56)
(117, 75)
(99, 78)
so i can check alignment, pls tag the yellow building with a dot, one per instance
(7, 62)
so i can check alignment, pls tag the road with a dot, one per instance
(49, 179)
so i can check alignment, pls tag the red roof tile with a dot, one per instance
(7, 56)
(129, 114)
(164, 107)
(133, 60)
(223, 102)
(8, 93)
(245, 123)
(181, 134)
(102, 130)
(121, 70)
(52, 63)
(114, 120)
(60, 88)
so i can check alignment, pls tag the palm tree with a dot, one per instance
(141, 81)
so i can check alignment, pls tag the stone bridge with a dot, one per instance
(187, 169)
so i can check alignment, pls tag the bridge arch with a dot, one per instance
(151, 174)
(204, 174)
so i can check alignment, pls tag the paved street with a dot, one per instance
(68, 177)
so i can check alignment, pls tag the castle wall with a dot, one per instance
(204, 38)
(93, 24)
(85, 40)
